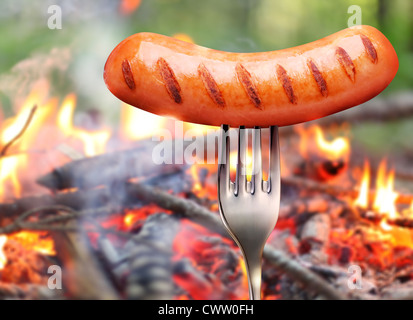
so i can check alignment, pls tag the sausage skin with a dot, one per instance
(170, 77)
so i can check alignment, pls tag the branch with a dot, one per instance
(21, 132)
(396, 107)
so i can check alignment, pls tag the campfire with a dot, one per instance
(86, 198)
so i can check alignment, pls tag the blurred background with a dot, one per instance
(72, 58)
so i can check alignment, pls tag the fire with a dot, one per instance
(385, 197)
(138, 124)
(362, 200)
(234, 161)
(384, 201)
(38, 241)
(3, 259)
(93, 142)
(10, 165)
(313, 139)
(333, 149)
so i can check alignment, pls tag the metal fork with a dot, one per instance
(249, 209)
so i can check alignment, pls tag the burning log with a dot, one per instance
(211, 220)
(191, 210)
(149, 258)
(27, 291)
(82, 276)
(106, 169)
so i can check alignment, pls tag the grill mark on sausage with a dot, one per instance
(286, 82)
(246, 80)
(128, 75)
(318, 77)
(345, 60)
(211, 85)
(368, 45)
(170, 81)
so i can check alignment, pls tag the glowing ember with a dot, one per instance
(3, 259)
(38, 241)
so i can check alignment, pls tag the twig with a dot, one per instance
(26, 125)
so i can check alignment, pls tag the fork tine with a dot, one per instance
(256, 176)
(224, 181)
(241, 175)
(274, 175)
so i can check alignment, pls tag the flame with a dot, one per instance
(3, 258)
(94, 143)
(38, 241)
(335, 148)
(338, 148)
(11, 165)
(385, 197)
(197, 185)
(362, 200)
(385, 200)
(234, 161)
(138, 124)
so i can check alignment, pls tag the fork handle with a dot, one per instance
(253, 266)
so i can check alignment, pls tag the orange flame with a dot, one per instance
(313, 138)
(94, 143)
(11, 165)
(385, 200)
(385, 196)
(35, 240)
(234, 161)
(362, 200)
(138, 124)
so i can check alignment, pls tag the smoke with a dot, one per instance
(17, 83)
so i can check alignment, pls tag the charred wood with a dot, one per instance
(149, 255)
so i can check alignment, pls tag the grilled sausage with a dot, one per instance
(191, 83)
